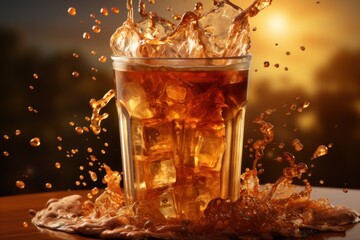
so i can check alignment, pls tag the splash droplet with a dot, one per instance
(104, 11)
(72, 11)
(320, 151)
(115, 10)
(58, 165)
(89, 150)
(6, 153)
(35, 142)
(93, 176)
(102, 59)
(287, 53)
(75, 55)
(17, 132)
(94, 191)
(345, 190)
(302, 48)
(96, 29)
(277, 65)
(35, 76)
(6, 137)
(266, 64)
(48, 185)
(297, 145)
(75, 74)
(25, 224)
(321, 182)
(86, 36)
(79, 130)
(20, 184)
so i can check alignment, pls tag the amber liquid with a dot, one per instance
(181, 132)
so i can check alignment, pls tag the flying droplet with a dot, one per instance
(72, 11)
(320, 151)
(81, 168)
(96, 29)
(266, 64)
(302, 48)
(254, 29)
(277, 65)
(104, 11)
(115, 10)
(31, 87)
(92, 16)
(86, 36)
(345, 190)
(321, 182)
(48, 185)
(35, 76)
(93, 52)
(94, 191)
(6, 137)
(102, 59)
(20, 184)
(58, 165)
(93, 176)
(35, 142)
(6, 153)
(75, 74)
(287, 53)
(79, 130)
(25, 224)
(297, 145)
(75, 55)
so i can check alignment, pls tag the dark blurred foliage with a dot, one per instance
(61, 98)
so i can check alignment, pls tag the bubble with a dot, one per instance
(25, 224)
(20, 184)
(6, 153)
(75, 74)
(58, 165)
(35, 142)
(48, 185)
(115, 10)
(102, 59)
(302, 48)
(72, 11)
(35, 76)
(86, 36)
(75, 55)
(104, 11)
(266, 64)
(96, 29)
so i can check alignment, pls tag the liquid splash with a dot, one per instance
(262, 212)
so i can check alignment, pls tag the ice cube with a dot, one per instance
(216, 24)
(126, 40)
(159, 171)
(132, 95)
(168, 204)
(157, 136)
(210, 149)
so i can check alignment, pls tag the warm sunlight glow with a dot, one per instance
(277, 23)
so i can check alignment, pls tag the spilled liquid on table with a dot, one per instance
(278, 209)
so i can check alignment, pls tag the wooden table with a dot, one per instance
(14, 211)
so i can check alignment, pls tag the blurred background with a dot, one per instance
(304, 52)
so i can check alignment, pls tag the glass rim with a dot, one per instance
(119, 58)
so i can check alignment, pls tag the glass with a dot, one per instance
(181, 130)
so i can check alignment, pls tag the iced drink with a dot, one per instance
(181, 127)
